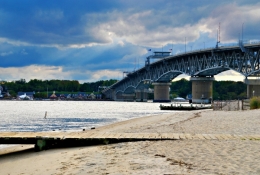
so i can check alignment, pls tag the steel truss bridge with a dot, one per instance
(243, 58)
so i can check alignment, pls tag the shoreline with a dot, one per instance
(155, 157)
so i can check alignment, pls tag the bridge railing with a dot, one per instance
(245, 42)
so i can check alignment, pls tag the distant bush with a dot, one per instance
(255, 103)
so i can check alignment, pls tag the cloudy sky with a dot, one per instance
(91, 40)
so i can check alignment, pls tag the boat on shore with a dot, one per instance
(185, 107)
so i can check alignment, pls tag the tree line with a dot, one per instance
(222, 90)
(42, 86)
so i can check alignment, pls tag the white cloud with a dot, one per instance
(224, 76)
(104, 75)
(6, 53)
(138, 28)
(23, 52)
(33, 72)
(229, 76)
(231, 17)
(121, 43)
(13, 42)
(55, 72)
(49, 15)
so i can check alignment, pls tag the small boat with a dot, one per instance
(180, 107)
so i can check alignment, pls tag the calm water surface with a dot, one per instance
(69, 115)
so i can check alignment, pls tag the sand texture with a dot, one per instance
(240, 156)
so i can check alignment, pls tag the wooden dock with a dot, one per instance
(44, 140)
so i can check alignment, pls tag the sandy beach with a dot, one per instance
(153, 157)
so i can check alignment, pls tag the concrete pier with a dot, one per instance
(202, 89)
(141, 95)
(118, 96)
(253, 87)
(125, 97)
(128, 97)
(110, 94)
(161, 92)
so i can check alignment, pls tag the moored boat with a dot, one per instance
(181, 107)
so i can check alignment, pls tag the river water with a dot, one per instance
(69, 115)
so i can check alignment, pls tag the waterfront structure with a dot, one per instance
(201, 65)
(1, 89)
(26, 95)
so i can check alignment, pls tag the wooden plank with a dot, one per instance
(234, 136)
(95, 135)
(85, 135)
(225, 137)
(230, 136)
(169, 136)
(105, 135)
(127, 135)
(98, 135)
(195, 137)
(139, 135)
(24, 135)
(247, 137)
(132, 135)
(77, 135)
(145, 135)
(115, 135)
(7, 134)
(182, 136)
(218, 136)
(158, 136)
(165, 135)
(74, 136)
(155, 136)
(200, 137)
(56, 134)
(176, 136)
(206, 136)
(256, 137)
(213, 137)
(253, 137)
(241, 137)
(188, 136)
(101, 135)
(17, 135)
(70, 135)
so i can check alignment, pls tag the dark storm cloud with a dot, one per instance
(38, 22)
(81, 37)
(68, 23)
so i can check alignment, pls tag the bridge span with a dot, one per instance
(200, 65)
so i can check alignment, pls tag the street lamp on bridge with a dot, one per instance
(242, 31)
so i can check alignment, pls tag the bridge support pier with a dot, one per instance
(110, 94)
(141, 95)
(253, 87)
(202, 89)
(128, 97)
(161, 92)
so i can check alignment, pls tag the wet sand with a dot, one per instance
(154, 157)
